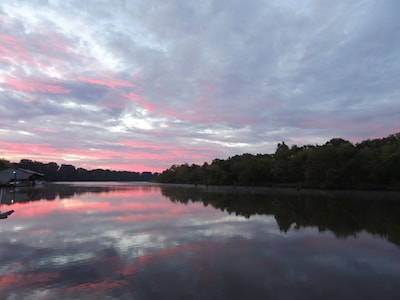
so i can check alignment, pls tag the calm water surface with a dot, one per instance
(144, 241)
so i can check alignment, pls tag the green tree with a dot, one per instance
(281, 162)
(67, 172)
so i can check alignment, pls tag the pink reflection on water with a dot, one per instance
(122, 204)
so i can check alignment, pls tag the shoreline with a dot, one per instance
(268, 190)
(285, 190)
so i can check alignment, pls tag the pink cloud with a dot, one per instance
(38, 129)
(50, 51)
(35, 101)
(90, 159)
(139, 99)
(129, 156)
(12, 50)
(32, 86)
(136, 162)
(106, 81)
(23, 150)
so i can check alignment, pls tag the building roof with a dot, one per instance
(10, 174)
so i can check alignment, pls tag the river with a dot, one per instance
(147, 241)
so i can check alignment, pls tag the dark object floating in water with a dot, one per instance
(6, 214)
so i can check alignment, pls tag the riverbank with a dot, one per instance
(373, 194)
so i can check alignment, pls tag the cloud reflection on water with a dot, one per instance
(133, 243)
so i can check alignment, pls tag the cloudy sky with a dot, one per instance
(141, 85)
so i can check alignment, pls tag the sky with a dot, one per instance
(140, 85)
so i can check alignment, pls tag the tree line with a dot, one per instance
(66, 172)
(338, 164)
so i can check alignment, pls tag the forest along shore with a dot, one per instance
(338, 164)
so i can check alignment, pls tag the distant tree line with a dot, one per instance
(338, 164)
(53, 172)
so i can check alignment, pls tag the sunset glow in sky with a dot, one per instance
(141, 85)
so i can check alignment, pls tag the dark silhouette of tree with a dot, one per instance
(281, 165)
(67, 172)
(4, 164)
(338, 164)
